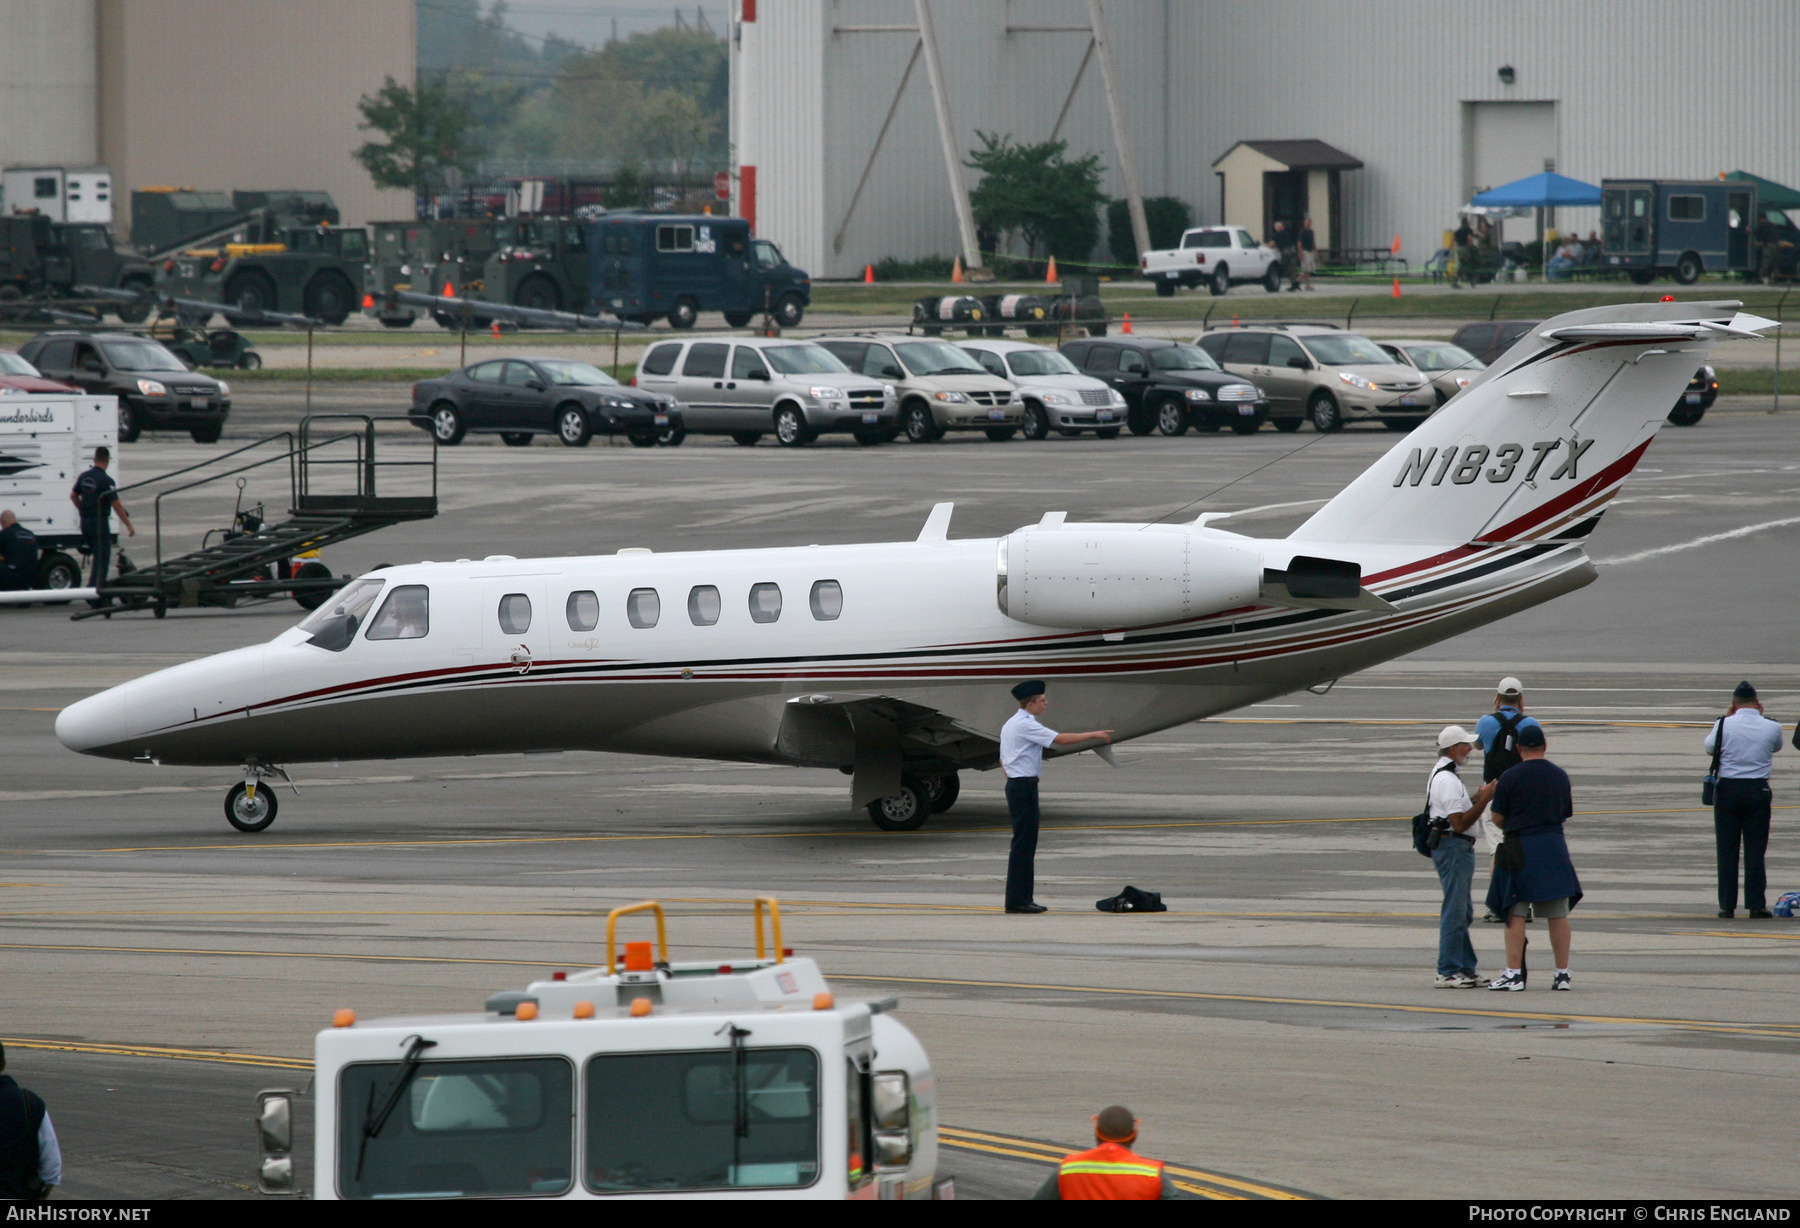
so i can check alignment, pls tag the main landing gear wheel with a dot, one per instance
(906, 810)
(248, 812)
(942, 791)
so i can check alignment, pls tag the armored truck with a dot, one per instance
(645, 266)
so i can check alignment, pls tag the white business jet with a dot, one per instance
(892, 662)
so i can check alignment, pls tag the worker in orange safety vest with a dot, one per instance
(1111, 1169)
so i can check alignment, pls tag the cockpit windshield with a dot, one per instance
(333, 625)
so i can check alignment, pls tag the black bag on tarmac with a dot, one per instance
(1132, 900)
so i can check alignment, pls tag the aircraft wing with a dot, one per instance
(878, 734)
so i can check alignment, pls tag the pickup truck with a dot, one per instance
(1218, 257)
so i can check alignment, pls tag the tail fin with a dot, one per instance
(1537, 446)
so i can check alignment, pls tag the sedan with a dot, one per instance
(517, 398)
(1450, 368)
(17, 375)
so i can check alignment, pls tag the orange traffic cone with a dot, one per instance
(1396, 287)
(868, 274)
(1050, 273)
(368, 301)
(1127, 322)
(1234, 321)
(449, 290)
(956, 273)
(496, 330)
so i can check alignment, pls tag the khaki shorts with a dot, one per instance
(1308, 261)
(1548, 910)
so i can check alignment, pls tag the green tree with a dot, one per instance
(1035, 192)
(428, 134)
(1167, 216)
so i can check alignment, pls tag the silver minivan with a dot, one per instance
(750, 387)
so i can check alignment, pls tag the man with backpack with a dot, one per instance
(30, 1160)
(1451, 812)
(1498, 733)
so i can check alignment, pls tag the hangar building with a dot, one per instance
(1409, 105)
(217, 94)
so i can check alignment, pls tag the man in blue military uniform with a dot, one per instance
(1742, 802)
(18, 554)
(1022, 743)
(96, 497)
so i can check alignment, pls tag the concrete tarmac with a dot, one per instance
(1276, 1029)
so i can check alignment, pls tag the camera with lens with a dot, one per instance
(1439, 829)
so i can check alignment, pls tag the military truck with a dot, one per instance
(423, 257)
(538, 262)
(288, 255)
(162, 219)
(45, 260)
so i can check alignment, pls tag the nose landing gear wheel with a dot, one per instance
(247, 813)
(906, 810)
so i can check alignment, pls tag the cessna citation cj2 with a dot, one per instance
(891, 662)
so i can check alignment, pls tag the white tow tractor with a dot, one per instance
(695, 1079)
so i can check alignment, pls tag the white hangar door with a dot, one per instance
(1504, 141)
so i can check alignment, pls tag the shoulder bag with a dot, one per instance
(1709, 785)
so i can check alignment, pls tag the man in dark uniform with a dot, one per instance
(1022, 743)
(96, 497)
(30, 1160)
(1283, 239)
(18, 554)
(1466, 259)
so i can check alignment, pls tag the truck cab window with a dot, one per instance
(515, 613)
(333, 625)
(768, 256)
(765, 603)
(643, 608)
(405, 615)
(351, 245)
(582, 611)
(703, 605)
(674, 238)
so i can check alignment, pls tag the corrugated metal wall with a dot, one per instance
(779, 117)
(1642, 87)
(47, 83)
(248, 94)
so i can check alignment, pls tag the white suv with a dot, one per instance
(941, 388)
(1056, 395)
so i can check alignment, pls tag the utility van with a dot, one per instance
(647, 266)
(650, 1079)
(1678, 227)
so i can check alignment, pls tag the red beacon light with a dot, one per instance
(1668, 298)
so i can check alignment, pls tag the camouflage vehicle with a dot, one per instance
(289, 255)
(538, 262)
(424, 257)
(41, 259)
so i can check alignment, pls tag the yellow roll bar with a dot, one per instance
(662, 933)
(774, 923)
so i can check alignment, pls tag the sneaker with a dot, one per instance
(1561, 981)
(1508, 982)
(1493, 918)
(1460, 980)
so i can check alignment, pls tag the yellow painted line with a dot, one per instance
(196, 1055)
(1791, 1031)
(1735, 934)
(227, 954)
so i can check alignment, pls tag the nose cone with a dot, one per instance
(98, 725)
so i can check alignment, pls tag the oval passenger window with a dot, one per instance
(583, 611)
(703, 605)
(765, 603)
(827, 600)
(515, 613)
(643, 607)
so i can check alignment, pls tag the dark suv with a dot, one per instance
(156, 390)
(1169, 386)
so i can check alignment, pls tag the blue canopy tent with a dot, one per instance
(1545, 190)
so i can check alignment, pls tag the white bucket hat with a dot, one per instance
(1453, 734)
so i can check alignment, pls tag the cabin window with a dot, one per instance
(515, 613)
(405, 615)
(643, 607)
(583, 611)
(765, 603)
(661, 359)
(1687, 208)
(674, 238)
(703, 605)
(827, 600)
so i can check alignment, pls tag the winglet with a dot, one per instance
(1206, 518)
(937, 525)
(1053, 520)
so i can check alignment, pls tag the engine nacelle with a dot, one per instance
(1099, 575)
